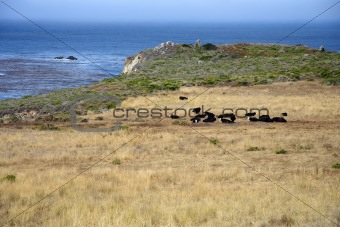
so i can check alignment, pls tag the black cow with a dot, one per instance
(196, 110)
(279, 119)
(265, 118)
(251, 114)
(210, 119)
(183, 98)
(226, 121)
(173, 116)
(195, 119)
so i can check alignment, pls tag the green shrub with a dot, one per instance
(336, 166)
(13, 119)
(325, 73)
(48, 127)
(180, 122)
(111, 105)
(211, 80)
(331, 81)
(255, 149)
(214, 141)
(125, 127)
(281, 151)
(10, 178)
(209, 46)
(186, 45)
(171, 85)
(205, 58)
(116, 161)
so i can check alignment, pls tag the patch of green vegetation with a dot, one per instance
(211, 80)
(255, 149)
(116, 161)
(336, 166)
(209, 46)
(214, 141)
(180, 122)
(281, 151)
(205, 58)
(111, 105)
(10, 178)
(13, 118)
(48, 127)
(125, 128)
(186, 45)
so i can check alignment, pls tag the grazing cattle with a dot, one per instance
(232, 117)
(252, 119)
(251, 114)
(210, 119)
(183, 98)
(279, 119)
(228, 115)
(195, 119)
(265, 118)
(284, 114)
(201, 115)
(196, 110)
(173, 116)
(226, 121)
(225, 115)
(211, 115)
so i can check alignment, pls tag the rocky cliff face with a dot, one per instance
(134, 63)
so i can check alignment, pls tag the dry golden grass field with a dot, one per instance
(174, 173)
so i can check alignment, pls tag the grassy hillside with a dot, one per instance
(186, 65)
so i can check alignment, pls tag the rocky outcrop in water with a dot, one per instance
(71, 58)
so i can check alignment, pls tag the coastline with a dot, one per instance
(170, 67)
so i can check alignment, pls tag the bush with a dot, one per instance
(255, 149)
(211, 80)
(111, 105)
(126, 128)
(205, 58)
(116, 161)
(180, 122)
(281, 151)
(186, 45)
(209, 46)
(214, 141)
(48, 127)
(336, 166)
(170, 85)
(10, 178)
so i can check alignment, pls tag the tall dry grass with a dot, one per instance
(172, 175)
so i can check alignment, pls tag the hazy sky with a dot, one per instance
(171, 11)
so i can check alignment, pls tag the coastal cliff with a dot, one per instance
(133, 63)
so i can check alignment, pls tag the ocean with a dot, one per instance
(27, 51)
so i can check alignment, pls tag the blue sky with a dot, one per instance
(171, 11)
